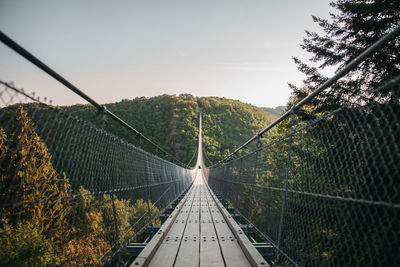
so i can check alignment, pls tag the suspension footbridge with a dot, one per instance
(318, 187)
(200, 231)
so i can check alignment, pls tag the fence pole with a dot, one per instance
(114, 210)
(104, 124)
(292, 121)
(226, 170)
(148, 192)
(251, 196)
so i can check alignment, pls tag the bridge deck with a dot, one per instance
(200, 232)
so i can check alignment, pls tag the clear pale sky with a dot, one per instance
(115, 50)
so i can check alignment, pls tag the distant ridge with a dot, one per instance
(277, 111)
(171, 121)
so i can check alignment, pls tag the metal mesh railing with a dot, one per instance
(71, 193)
(327, 192)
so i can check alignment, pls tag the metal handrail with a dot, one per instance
(101, 108)
(345, 70)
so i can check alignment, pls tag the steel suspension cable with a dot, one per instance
(101, 108)
(340, 74)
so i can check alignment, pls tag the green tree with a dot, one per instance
(172, 122)
(27, 177)
(130, 217)
(354, 26)
(341, 154)
(40, 223)
(89, 242)
(23, 244)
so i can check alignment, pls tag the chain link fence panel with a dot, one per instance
(70, 192)
(326, 191)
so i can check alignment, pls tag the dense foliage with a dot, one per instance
(48, 218)
(227, 124)
(44, 223)
(348, 154)
(277, 111)
(354, 26)
(172, 122)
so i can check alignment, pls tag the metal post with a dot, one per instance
(104, 124)
(266, 157)
(150, 174)
(114, 212)
(226, 170)
(115, 223)
(252, 194)
(285, 192)
(169, 179)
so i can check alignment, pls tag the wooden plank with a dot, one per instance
(167, 252)
(230, 248)
(188, 254)
(252, 255)
(210, 253)
(200, 233)
(148, 252)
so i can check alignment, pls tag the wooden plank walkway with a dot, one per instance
(199, 232)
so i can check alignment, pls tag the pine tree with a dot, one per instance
(31, 192)
(354, 26)
(346, 149)
(88, 245)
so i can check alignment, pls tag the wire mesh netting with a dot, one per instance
(70, 192)
(326, 191)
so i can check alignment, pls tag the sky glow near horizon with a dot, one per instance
(115, 50)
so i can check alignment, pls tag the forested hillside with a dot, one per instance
(171, 122)
(227, 124)
(277, 111)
